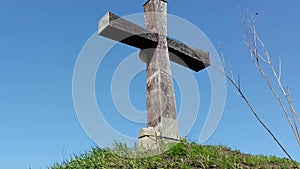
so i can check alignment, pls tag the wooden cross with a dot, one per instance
(157, 50)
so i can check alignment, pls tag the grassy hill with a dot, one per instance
(182, 155)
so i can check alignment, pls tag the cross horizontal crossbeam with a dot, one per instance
(113, 27)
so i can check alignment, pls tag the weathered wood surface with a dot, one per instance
(160, 97)
(118, 29)
(156, 50)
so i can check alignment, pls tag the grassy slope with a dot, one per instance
(182, 155)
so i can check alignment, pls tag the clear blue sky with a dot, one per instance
(41, 40)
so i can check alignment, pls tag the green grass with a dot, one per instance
(183, 155)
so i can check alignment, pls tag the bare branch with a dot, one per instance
(253, 48)
(279, 69)
(260, 55)
(239, 90)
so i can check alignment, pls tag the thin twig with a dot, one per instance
(239, 90)
(267, 59)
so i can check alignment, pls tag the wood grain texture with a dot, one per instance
(160, 97)
(113, 27)
(157, 50)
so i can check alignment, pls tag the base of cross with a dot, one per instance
(150, 139)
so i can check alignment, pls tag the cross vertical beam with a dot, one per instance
(160, 97)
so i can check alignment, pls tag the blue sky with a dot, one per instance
(40, 43)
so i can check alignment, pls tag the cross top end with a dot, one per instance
(166, 1)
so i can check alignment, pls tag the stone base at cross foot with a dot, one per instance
(150, 139)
